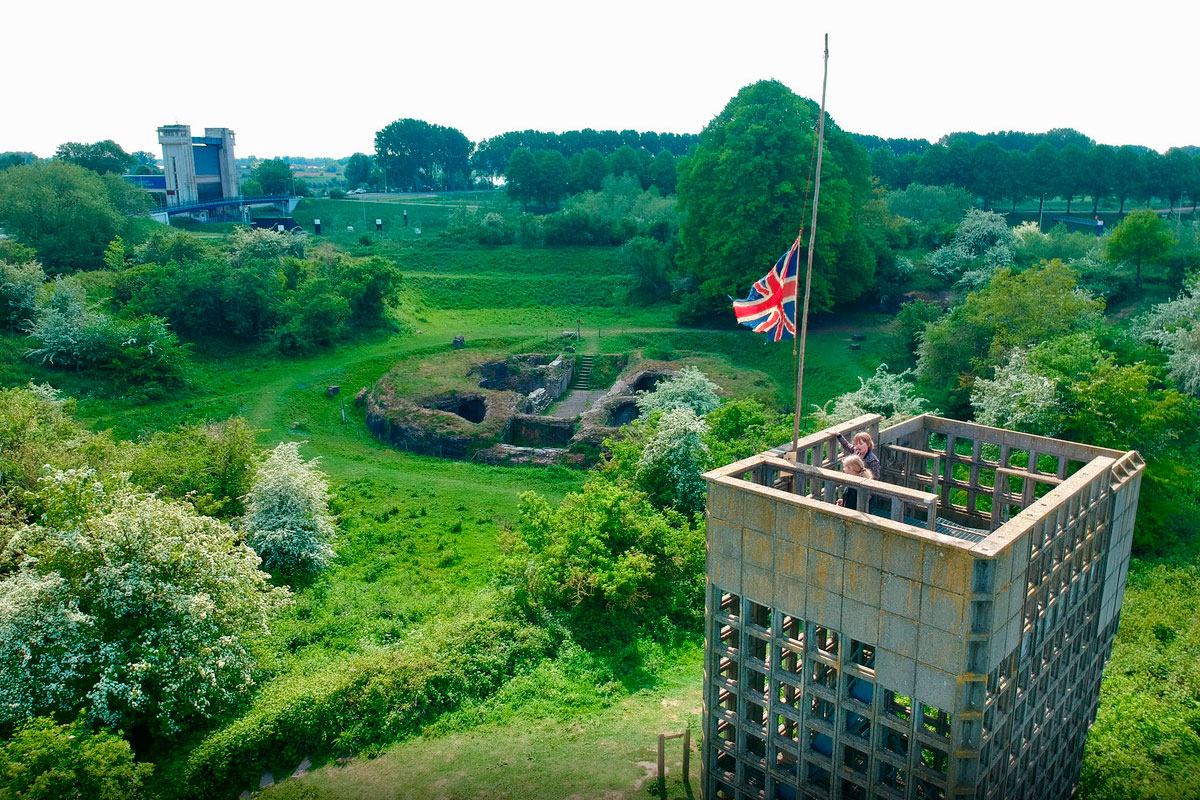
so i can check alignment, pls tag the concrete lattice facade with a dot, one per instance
(949, 644)
(198, 169)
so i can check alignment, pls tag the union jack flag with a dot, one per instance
(771, 306)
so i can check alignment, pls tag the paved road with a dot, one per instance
(577, 402)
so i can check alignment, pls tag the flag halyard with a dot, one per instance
(771, 306)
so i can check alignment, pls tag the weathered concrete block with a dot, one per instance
(791, 596)
(897, 672)
(725, 503)
(758, 583)
(901, 555)
(943, 650)
(901, 596)
(823, 608)
(725, 572)
(941, 609)
(1012, 633)
(828, 535)
(758, 513)
(724, 538)
(791, 560)
(898, 634)
(862, 583)
(758, 549)
(825, 571)
(934, 687)
(863, 545)
(946, 568)
(860, 621)
(791, 525)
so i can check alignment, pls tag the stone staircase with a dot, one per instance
(583, 373)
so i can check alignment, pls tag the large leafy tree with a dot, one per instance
(66, 213)
(358, 169)
(274, 176)
(743, 191)
(103, 157)
(1142, 238)
(419, 155)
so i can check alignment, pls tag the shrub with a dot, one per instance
(891, 395)
(361, 703)
(1018, 398)
(287, 518)
(96, 563)
(672, 461)
(690, 388)
(47, 761)
(19, 288)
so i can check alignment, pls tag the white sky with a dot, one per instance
(319, 78)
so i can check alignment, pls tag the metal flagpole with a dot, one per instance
(812, 238)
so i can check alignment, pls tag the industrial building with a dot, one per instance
(943, 639)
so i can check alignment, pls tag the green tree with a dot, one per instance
(1142, 238)
(1045, 167)
(274, 176)
(15, 159)
(587, 171)
(102, 157)
(1101, 166)
(743, 194)
(1129, 174)
(418, 155)
(358, 169)
(1012, 311)
(989, 168)
(66, 213)
(625, 161)
(662, 172)
(550, 178)
(1072, 173)
(520, 176)
(47, 761)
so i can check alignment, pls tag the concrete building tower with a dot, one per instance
(944, 639)
(198, 169)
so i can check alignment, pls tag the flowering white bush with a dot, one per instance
(691, 388)
(983, 241)
(672, 461)
(287, 518)
(261, 244)
(136, 608)
(1018, 398)
(885, 393)
(19, 287)
(1175, 327)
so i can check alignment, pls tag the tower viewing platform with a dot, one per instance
(944, 639)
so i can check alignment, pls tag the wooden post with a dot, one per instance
(687, 753)
(662, 757)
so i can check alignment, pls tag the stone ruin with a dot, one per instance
(502, 422)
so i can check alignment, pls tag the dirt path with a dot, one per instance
(577, 402)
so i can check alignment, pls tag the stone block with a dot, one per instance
(792, 524)
(725, 572)
(823, 608)
(901, 555)
(758, 549)
(860, 621)
(790, 596)
(947, 569)
(895, 672)
(898, 634)
(758, 584)
(1020, 553)
(1016, 596)
(863, 545)
(824, 571)
(901, 596)
(828, 534)
(942, 609)
(943, 650)
(758, 513)
(935, 688)
(861, 583)
(724, 538)
(725, 503)
(791, 560)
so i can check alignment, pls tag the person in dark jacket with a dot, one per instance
(864, 447)
(852, 465)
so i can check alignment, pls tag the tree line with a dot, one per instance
(1013, 167)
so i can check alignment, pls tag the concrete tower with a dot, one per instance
(199, 169)
(945, 639)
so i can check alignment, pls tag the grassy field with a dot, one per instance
(418, 535)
